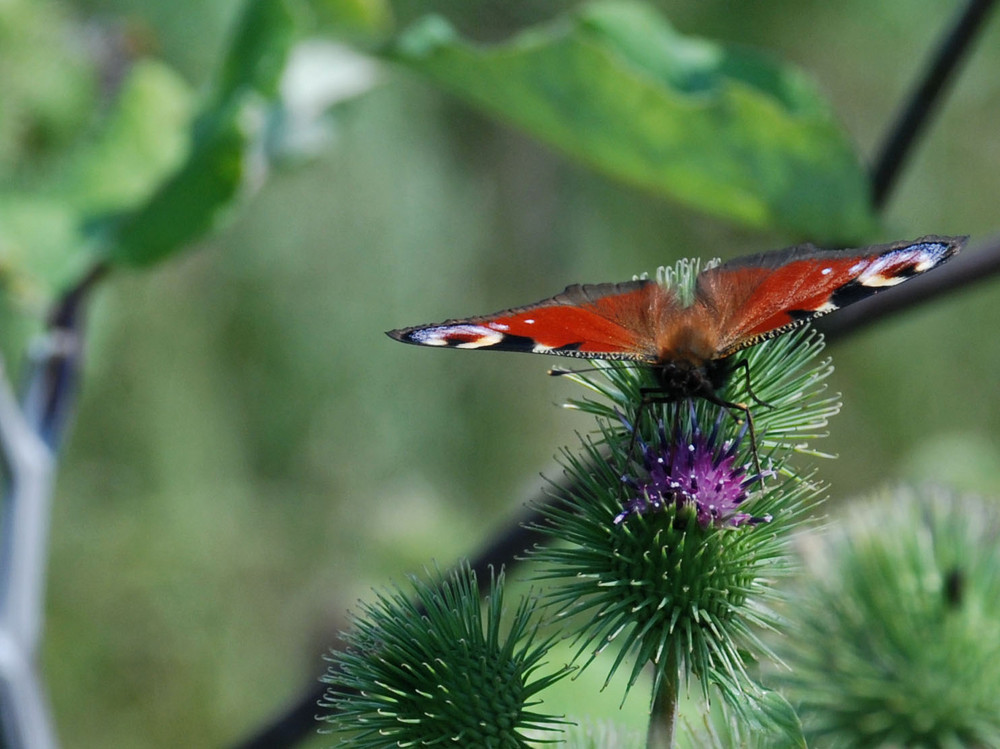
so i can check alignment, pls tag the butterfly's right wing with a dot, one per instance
(761, 296)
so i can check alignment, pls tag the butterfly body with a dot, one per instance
(734, 305)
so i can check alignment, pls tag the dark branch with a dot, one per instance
(49, 397)
(925, 99)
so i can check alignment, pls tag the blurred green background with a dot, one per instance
(252, 454)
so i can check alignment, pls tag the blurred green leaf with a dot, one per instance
(37, 239)
(156, 178)
(48, 87)
(613, 85)
(191, 202)
(357, 19)
(42, 237)
(259, 49)
(226, 140)
(144, 140)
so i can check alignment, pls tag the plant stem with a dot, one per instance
(926, 98)
(663, 716)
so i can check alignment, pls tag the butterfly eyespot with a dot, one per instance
(875, 280)
(456, 336)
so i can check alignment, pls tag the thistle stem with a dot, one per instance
(663, 716)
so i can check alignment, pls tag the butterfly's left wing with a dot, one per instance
(602, 321)
(760, 296)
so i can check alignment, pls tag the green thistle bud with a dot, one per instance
(896, 628)
(431, 671)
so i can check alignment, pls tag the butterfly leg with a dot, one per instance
(730, 408)
(745, 366)
(753, 433)
(650, 396)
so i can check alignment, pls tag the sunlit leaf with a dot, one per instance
(191, 202)
(727, 131)
(259, 49)
(359, 19)
(144, 140)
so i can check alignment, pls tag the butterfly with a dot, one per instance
(690, 346)
(736, 305)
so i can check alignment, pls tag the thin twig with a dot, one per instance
(925, 99)
(30, 435)
(28, 469)
(50, 396)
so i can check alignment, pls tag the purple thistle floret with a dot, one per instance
(693, 469)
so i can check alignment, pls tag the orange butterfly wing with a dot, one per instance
(754, 298)
(603, 321)
(736, 305)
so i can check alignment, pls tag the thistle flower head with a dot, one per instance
(431, 670)
(897, 635)
(668, 587)
(693, 469)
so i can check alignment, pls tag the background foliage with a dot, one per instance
(251, 454)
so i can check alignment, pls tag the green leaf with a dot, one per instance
(356, 19)
(145, 138)
(191, 202)
(143, 141)
(49, 87)
(227, 138)
(727, 131)
(257, 54)
(39, 243)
